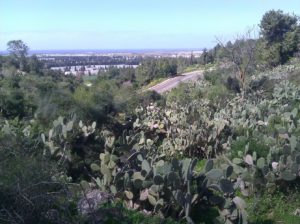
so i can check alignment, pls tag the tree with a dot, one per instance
(275, 24)
(281, 34)
(34, 64)
(242, 54)
(155, 68)
(291, 43)
(192, 58)
(19, 50)
(203, 57)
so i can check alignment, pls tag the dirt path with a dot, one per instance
(173, 82)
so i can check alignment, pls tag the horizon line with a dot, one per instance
(113, 49)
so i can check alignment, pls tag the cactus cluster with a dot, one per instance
(281, 165)
(168, 187)
(87, 129)
(184, 130)
(152, 166)
(57, 142)
(58, 133)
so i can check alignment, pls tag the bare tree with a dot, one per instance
(242, 54)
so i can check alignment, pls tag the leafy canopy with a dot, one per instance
(275, 24)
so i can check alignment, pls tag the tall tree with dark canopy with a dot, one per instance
(19, 50)
(281, 33)
(275, 24)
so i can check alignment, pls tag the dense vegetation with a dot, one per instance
(224, 149)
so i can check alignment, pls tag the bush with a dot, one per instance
(213, 77)
(233, 84)
(149, 97)
(27, 190)
(114, 213)
(217, 94)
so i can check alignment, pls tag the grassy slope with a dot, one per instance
(274, 208)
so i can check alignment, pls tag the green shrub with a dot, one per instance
(274, 208)
(117, 213)
(184, 94)
(28, 192)
(233, 84)
(238, 145)
(217, 94)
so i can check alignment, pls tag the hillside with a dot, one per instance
(219, 144)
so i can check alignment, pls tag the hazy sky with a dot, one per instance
(130, 24)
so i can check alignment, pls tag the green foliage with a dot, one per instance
(121, 75)
(34, 96)
(268, 208)
(166, 187)
(12, 104)
(117, 213)
(220, 77)
(74, 145)
(211, 88)
(200, 150)
(151, 97)
(282, 35)
(275, 24)
(32, 188)
(181, 130)
(217, 93)
(213, 77)
(19, 50)
(103, 99)
(212, 56)
(35, 66)
(183, 94)
(153, 69)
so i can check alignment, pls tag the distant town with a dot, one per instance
(94, 62)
